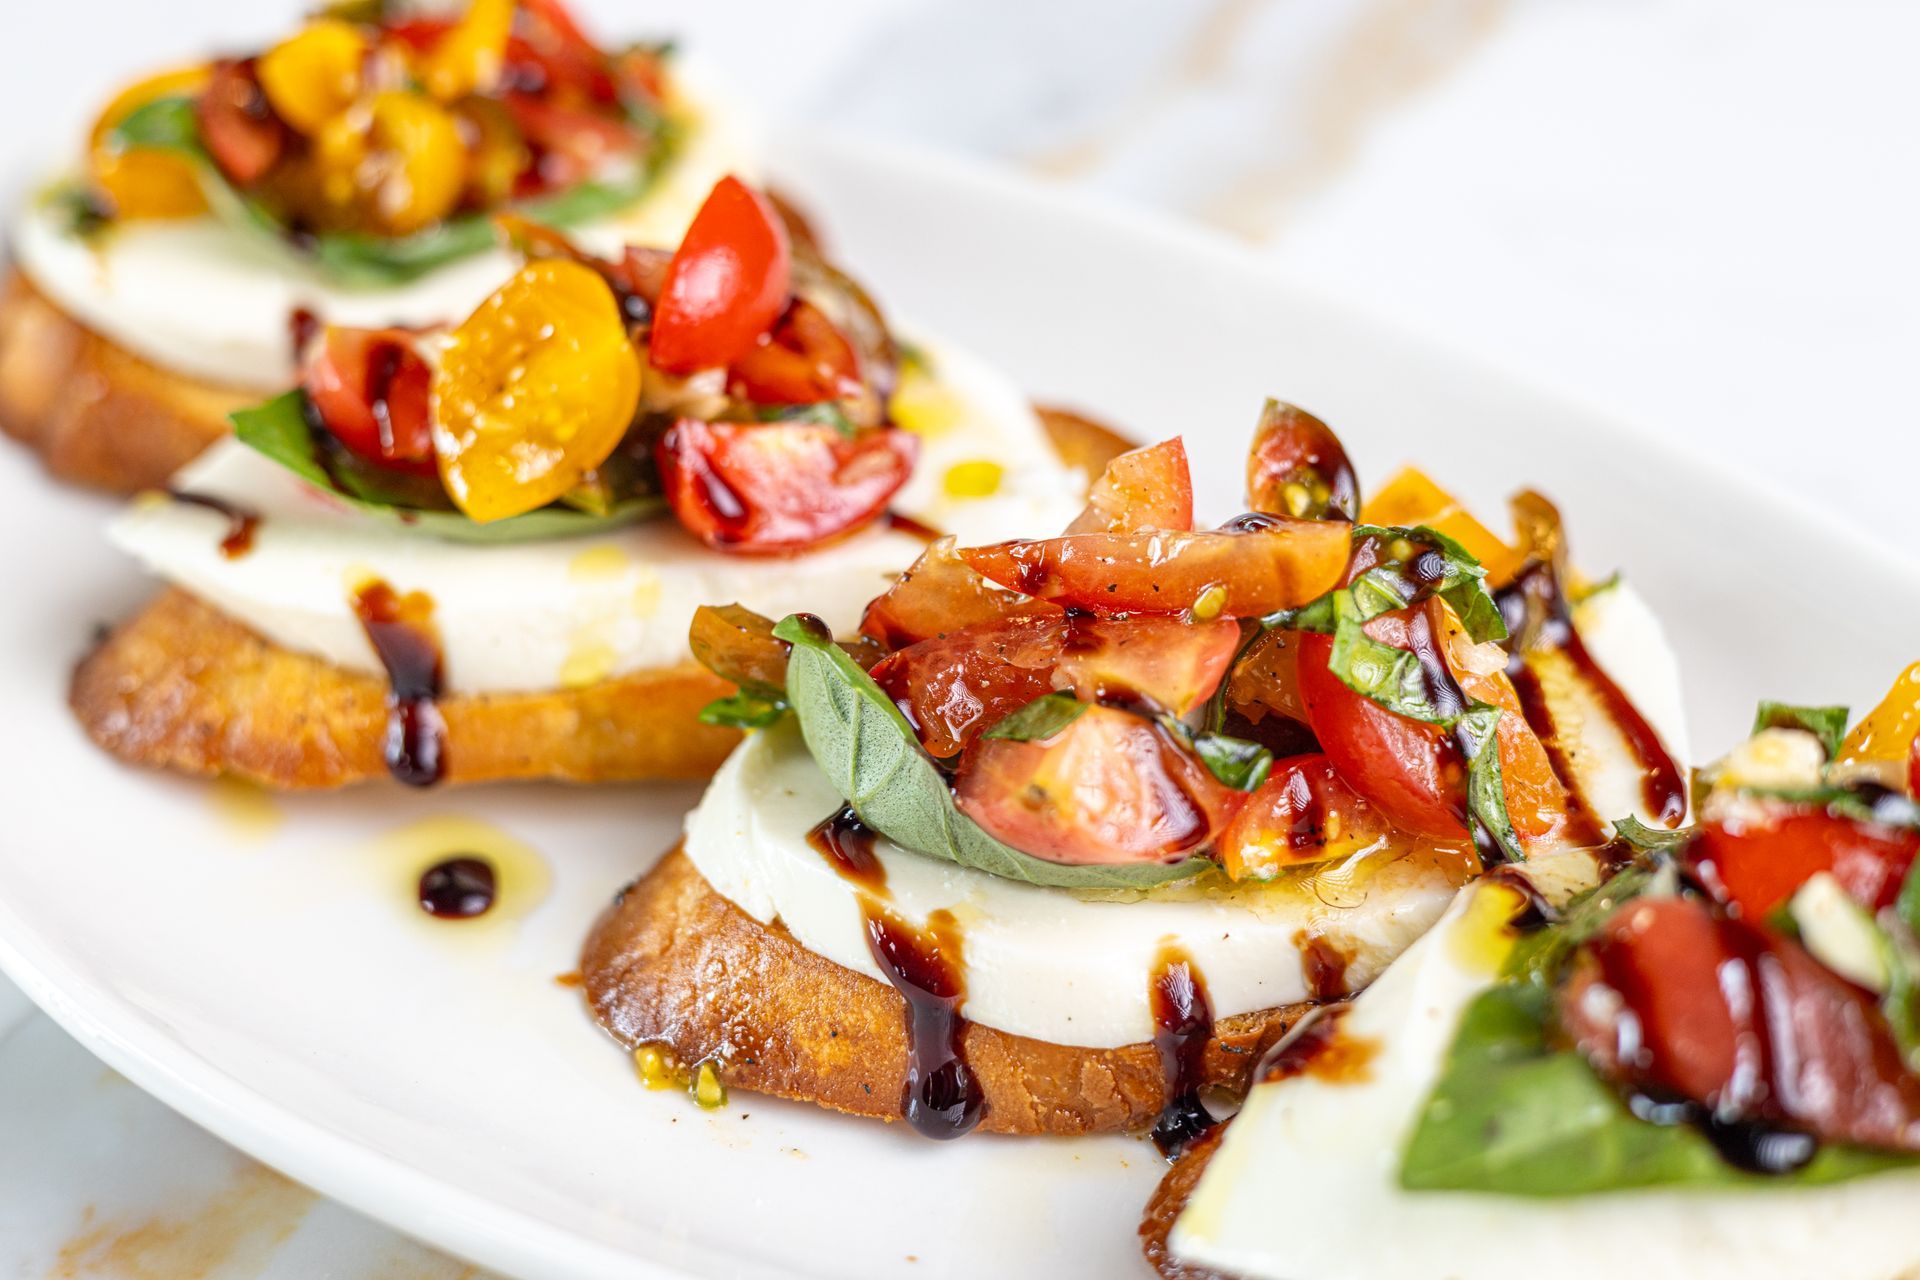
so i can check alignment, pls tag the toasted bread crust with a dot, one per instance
(674, 963)
(1169, 1199)
(182, 686)
(97, 414)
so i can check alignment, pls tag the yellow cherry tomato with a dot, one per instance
(1886, 733)
(468, 58)
(141, 183)
(423, 161)
(534, 390)
(315, 75)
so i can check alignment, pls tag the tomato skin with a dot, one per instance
(1296, 466)
(804, 360)
(1276, 564)
(1150, 488)
(241, 132)
(571, 143)
(1757, 865)
(953, 687)
(1406, 769)
(1109, 789)
(1303, 812)
(727, 284)
(1743, 1022)
(778, 487)
(371, 390)
(939, 594)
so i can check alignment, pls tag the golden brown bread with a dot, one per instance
(673, 963)
(1169, 1198)
(182, 686)
(96, 413)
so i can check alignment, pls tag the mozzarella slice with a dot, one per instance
(1075, 968)
(198, 297)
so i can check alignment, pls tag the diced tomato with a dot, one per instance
(1741, 1021)
(940, 594)
(1258, 568)
(572, 143)
(566, 54)
(371, 390)
(420, 32)
(1267, 679)
(1756, 865)
(1297, 467)
(804, 360)
(1303, 812)
(778, 486)
(1149, 488)
(239, 128)
(952, 687)
(727, 284)
(1110, 788)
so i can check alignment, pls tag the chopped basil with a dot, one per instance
(826, 413)
(1236, 762)
(1541, 957)
(1041, 718)
(753, 707)
(1829, 724)
(1650, 839)
(279, 429)
(869, 752)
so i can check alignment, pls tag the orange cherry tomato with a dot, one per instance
(774, 487)
(727, 284)
(804, 360)
(1150, 488)
(242, 134)
(1298, 467)
(315, 74)
(1304, 812)
(370, 388)
(1110, 788)
(938, 595)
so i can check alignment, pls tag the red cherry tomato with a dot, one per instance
(571, 143)
(241, 132)
(1110, 788)
(371, 390)
(1303, 812)
(1268, 565)
(1149, 488)
(1742, 1021)
(1758, 865)
(952, 687)
(1297, 467)
(778, 486)
(938, 595)
(803, 361)
(566, 54)
(727, 284)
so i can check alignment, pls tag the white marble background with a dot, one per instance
(1699, 215)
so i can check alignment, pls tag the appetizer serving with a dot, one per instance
(473, 552)
(1707, 1066)
(349, 171)
(1070, 830)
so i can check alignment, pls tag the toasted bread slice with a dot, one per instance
(96, 413)
(673, 963)
(1169, 1199)
(182, 686)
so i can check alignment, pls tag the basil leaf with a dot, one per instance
(1041, 718)
(1478, 732)
(1829, 724)
(1513, 1116)
(1906, 907)
(826, 413)
(753, 707)
(869, 752)
(279, 430)
(1238, 763)
(1316, 616)
(1461, 581)
(164, 124)
(1650, 839)
(1541, 957)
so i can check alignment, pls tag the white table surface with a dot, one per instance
(1697, 214)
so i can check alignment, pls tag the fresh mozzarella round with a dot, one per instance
(1074, 968)
(1326, 1153)
(202, 299)
(543, 615)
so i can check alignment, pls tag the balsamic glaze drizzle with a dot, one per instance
(403, 638)
(1182, 1026)
(241, 522)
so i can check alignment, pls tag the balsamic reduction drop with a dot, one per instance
(1182, 1026)
(457, 888)
(240, 522)
(942, 1098)
(846, 842)
(402, 636)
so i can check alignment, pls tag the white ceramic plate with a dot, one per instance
(279, 988)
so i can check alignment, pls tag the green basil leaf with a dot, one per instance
(164, 124)
(753, 707)
(1541, 957)
(826, 413)
(1462, 582)
(1906, 907)
(1042, 718)
(1829, 724)
(1478, 731)
(869, 752)
(279, 430)
(1514, 1116)
(1236, 762)
(1316, 615)
(1650, 839)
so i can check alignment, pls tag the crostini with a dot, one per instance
(1071, 830)
(474, 553)
(348, 172)
(1707, 1065)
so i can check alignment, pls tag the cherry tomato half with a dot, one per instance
(804, 360)
(1110, 788)
(242, 134)
(1757, 865)
(778, 486)
(940, 594)
(1304, 812)
(1298, 467)
(1150, 488)
(727, 284)
(371, 390)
